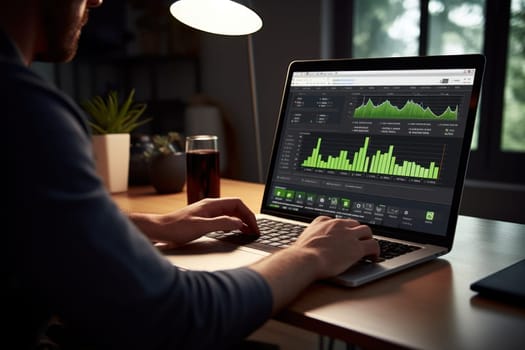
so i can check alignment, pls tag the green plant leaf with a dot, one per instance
(164, 144)
(109, 116)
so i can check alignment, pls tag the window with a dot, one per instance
(513, 131)
(363, 28)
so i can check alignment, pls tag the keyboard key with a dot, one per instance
(391, 249)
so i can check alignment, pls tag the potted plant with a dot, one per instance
(112, 121)
(167, 163)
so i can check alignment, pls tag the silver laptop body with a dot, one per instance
(382, 140)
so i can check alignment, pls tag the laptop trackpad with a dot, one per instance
(211, 254)
(364, 268)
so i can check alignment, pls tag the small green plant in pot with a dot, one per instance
(167, 163)
(110, 116)
(111, 122)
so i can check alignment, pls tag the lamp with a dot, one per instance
(226, 17)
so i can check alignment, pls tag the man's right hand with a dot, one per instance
(326, 248)
(338, 243)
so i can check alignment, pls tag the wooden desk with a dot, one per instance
(427, 307)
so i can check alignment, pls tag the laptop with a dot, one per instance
(384, 141)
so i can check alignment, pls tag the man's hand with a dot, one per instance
(326, 248)
(197, 219)
(338, 243)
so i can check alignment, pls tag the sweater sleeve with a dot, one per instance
(77, 256)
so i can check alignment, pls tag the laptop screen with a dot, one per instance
(382, 146)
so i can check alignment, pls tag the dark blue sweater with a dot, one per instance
(71, 253)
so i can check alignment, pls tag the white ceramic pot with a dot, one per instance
(111, 153)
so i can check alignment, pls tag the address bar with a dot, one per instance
(375, 81)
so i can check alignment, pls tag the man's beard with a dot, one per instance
(62, 31)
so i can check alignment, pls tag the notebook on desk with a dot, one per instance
(384, 141)
(506, 285)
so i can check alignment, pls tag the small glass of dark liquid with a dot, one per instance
(203, 177)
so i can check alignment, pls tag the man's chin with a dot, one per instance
(63, 56)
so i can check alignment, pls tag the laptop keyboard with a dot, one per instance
(276, 235)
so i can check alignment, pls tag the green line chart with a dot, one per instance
(379, 161)
(407, 109)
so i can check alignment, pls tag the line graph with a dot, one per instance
(411, 107)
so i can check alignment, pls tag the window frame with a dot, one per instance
(487, 162)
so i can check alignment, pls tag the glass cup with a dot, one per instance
(202, 167)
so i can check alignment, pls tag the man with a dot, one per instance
(73, 255)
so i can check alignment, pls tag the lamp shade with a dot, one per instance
(223, 17)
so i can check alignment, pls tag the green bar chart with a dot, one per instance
(381, 162)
